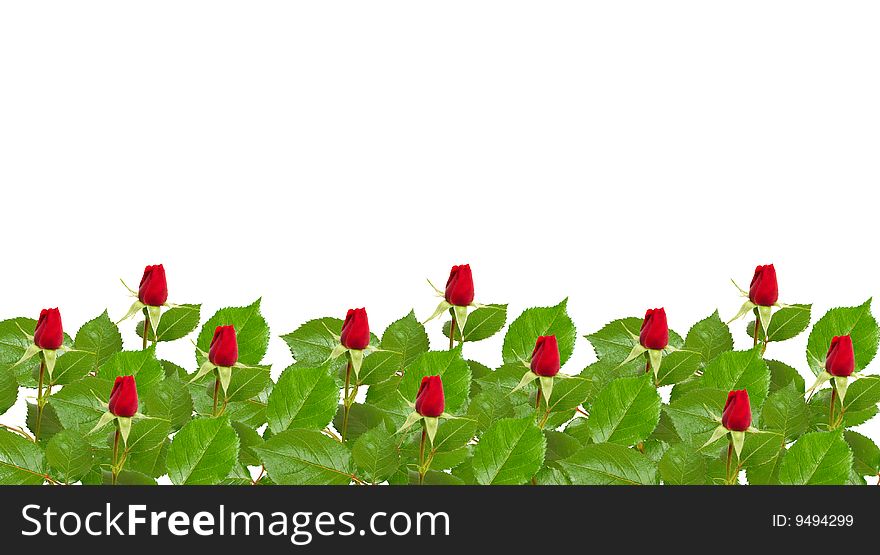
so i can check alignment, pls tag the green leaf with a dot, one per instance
(251, 331)
(817, 458)
(401, 343)
(303, 398)
(609, 465)
(96, 341)
(202, 452)
(449, 447)
(786, 323)
(69, 456)
(625, 412)
(248, 438)
(785, 411)
(710, 337)
(8, 389)
(510, 452)
(170, 399)
(453, 370)
(819, 407)
(306, 457)
(782, 374)
(560, 446)
(21, 461)
(569, 393)
(376, 455)
(247, 383)
(863, 393)
(740, 370)
(49, 425)
(176, 323)
(13, 344)
(866, 454)
(519, 341)
(857, 322)
(482, 323)
(143, 365)
(678, 366)
(680, 466)
(364, 417)
(147, 446)
(77, 404)
(697, 414)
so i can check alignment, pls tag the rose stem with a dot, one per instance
(729, 454)
(40, 398)
(346, 404)
(452, 331)
(422, 455)
(146, 327)
(757, 327)
(113, 470)
(647, 363)
(216, 392)
(831, 410)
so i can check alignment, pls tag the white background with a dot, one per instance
(334, 155)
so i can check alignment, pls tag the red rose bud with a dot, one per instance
(154, 289)
(737, 415)
(429, 400)
(655, 330)
(356, 329)
(124, 397)
(840, 360)
(764, 291)
(49, 334)
(224, 347)
(545, 357)
(460, 286)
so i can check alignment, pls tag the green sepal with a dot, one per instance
(546, 388)
(337, 351)
(441, 308)
(50, 357)
(737, 438)
(766, 313)
(655, 356)
(105, 419)
(747, 307)
(155, 313)
(719, 432)
(28, 354)
(461, 316)
(411, 419)
(636, 352)
(124, 427)
(841, 383)
(225, 375)
(357, 360)
(431, 425)
(527, 378)
(823, 377)
(204, 370)
(135, 308)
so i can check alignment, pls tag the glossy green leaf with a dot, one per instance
(401, 343)
(519, 341)
(817, 458)
(857, 322)
(786, 323)
(510, 452)
(609, 465)
(251, 332)
(482, 323)
(303, 398)
(625, 412)
(21, 461)
(69, 456)
(202, 452)
(710, 337)
(306, 457)
(176, 323)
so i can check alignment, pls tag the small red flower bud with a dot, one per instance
(123, 397)
(356, 329)
(429, 399)
(840, 360)
(153, 290)
(737, 415)
(460, 286)
(545, 357)
(224, 347)
(764, 291)
(49, 333)
(655, 330)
